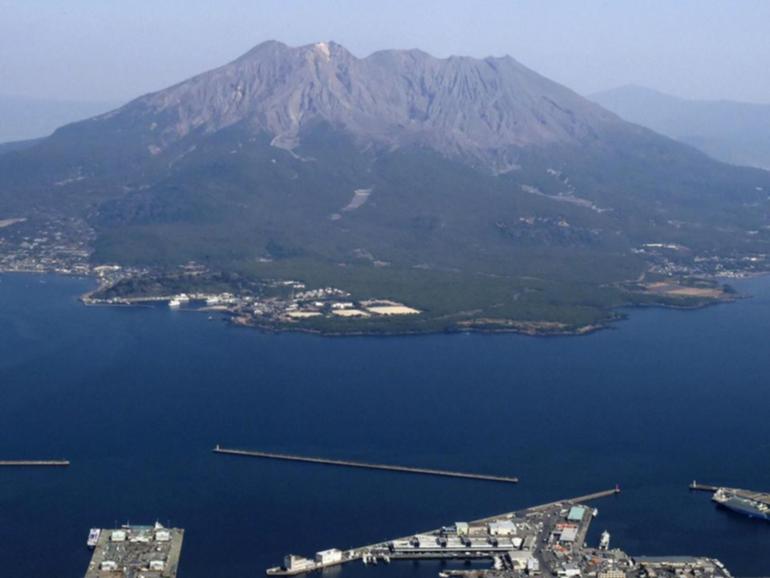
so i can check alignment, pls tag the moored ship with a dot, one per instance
(604, 543)
(742, 502)
(93, 537)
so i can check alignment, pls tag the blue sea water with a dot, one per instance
(136, 399)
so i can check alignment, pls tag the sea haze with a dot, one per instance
(136, 399)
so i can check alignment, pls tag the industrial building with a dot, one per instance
(502, 528)
(576, 514)
(326, 557)
(294, 563)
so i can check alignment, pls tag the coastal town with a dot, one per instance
(267, 303)
(674, 260)
(293, 304)
(56, 245)
(64, 247)
(547, 540)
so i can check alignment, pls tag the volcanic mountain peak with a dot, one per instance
(459, 106)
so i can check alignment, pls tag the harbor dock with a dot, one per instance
(519, 534)
(365, 465)
(745, 502)
(135, 551)
(34, 463)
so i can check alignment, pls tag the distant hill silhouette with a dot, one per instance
(24, 118)
(733, 132)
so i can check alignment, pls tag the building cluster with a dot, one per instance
(61, 245)
(270, 302)
(328, 557)
(291, 303)
(210, 301)
(338, 306)
(678, 567)
(674, 260)
(546, 540)
(146, 551)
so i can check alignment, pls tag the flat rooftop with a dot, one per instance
(137, 552)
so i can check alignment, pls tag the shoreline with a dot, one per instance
(581, 331)
(277, 329)
(230, 317)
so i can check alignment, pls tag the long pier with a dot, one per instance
(587, 498)
(34, 463)
(366, 465)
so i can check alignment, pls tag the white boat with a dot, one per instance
(604, 543)
(93, 537)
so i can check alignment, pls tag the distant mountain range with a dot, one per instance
(734, 132)
(474, 189)
(25, 118)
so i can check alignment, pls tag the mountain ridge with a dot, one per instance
(460, 106)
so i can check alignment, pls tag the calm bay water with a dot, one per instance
(136, 399)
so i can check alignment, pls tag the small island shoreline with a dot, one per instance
(541, 329)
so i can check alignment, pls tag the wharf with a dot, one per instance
(365, 465)
(587, 498)
(477, 541)
(136, 552)
(34, 463)
(696, 487)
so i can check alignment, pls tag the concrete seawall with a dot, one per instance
(34, 463)
(366, 465)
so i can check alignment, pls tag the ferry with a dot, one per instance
(93, 537)
(741, 504)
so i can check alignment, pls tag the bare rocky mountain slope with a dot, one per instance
(459, 106)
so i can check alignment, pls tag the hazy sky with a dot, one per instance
(117, 49)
